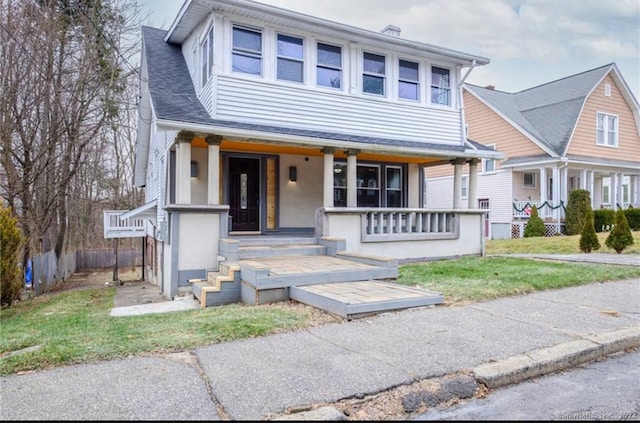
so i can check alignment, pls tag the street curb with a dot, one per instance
(558, 357)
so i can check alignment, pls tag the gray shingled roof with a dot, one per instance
(174, 99)
(548, 112)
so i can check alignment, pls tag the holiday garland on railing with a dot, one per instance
(528, 206)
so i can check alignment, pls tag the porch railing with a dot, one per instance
(408, 224)
(114, 227)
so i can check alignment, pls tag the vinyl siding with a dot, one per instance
(583, 142)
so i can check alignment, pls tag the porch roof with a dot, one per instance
(175, 102)
(146, 211)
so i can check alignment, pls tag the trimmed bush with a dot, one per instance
(603, 219)
(633, 217)
(620, 236)
(10, 275)
(535, 225)
(576, 210)
(588, 238)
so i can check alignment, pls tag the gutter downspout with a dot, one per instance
(463, 122)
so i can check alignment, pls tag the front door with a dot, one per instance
(244, 193)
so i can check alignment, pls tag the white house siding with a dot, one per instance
(524, 193)
(299, 200)
(439, 193)
(269, 103)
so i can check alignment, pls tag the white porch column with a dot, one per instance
(619, 179)
(591, 186)
(555, 193)
(543, 185)
(583, 179)
(564, 185)
(327, 191)
(473, 182)
(352, 169)
(457, 182)
(213, 169)
(636, 191)
(613, 187)
(183, 168)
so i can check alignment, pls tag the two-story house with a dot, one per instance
(259, 123)
(582, 131)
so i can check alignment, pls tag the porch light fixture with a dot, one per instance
(293, 174)
(194, 169)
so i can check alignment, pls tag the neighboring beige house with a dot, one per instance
(258, 123)
(582, 131)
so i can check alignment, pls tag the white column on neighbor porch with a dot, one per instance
(583, 179)
(352, 173)
(473, 182)
(619, 180)
(543, 185)
(457, 182)
(555, 192)
(564, 184)
(213, 169)
(327, 191)
(636, 191)
(591, 186)
(613, 188)
(183, 168)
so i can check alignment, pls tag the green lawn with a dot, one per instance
(74, 326)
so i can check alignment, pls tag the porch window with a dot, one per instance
(368, 179)
(340, 185)
(408, 81)
(371, 190)
(394, 186)
(329, 68)
(440, 86)
(290, 58)
(247, 50)
(206, 48)
(373, 77)
(607, 130)
(529, 180)
(605, 194)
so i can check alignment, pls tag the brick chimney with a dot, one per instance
(392, 30)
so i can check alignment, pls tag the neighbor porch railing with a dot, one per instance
(546, 210)
(114, 227)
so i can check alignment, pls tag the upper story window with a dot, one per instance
(440, 86)
(329, 70)
(373, 77)
(607, 130)
(206, 49)
(489, 165)
(290, 58)
(247, 50)
(408, 80)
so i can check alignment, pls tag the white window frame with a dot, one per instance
(532, 183)
(486, 163)
(606, 129)
(607, 90)
(283, 57)
(438, 87)
(206, 55)
(255, 54)
(414, 82)
(383, 76)
(464, 187)
(329, 66)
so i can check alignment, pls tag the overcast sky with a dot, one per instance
(529, 42)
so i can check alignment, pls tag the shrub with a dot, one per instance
(588, 238)
(576, 210)
(10, 275)
(603, 219)
(633, 217)
(535, 225)
(620, 236)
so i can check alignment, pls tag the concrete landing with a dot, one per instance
(353, 300)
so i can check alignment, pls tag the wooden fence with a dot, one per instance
(106, 258)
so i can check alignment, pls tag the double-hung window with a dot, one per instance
(290, 58)
(408, 81)
(394, 186)
(329, 68)
(607, 130)
(247, 50)
(206, 49)
(440, 86)
(489, 165)
(373, 77)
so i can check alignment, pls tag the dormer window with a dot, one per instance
(290, 58)
(440, 86)
(247, 50)
(206, 49)
(329, 66)
(373, 77)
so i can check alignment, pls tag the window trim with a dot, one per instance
(532, 184)
(433, 87)
(382, 76)
(328, 65)
(246, 52)
(206, 55)
(300, 60)
(415, 82)
(605, 132)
